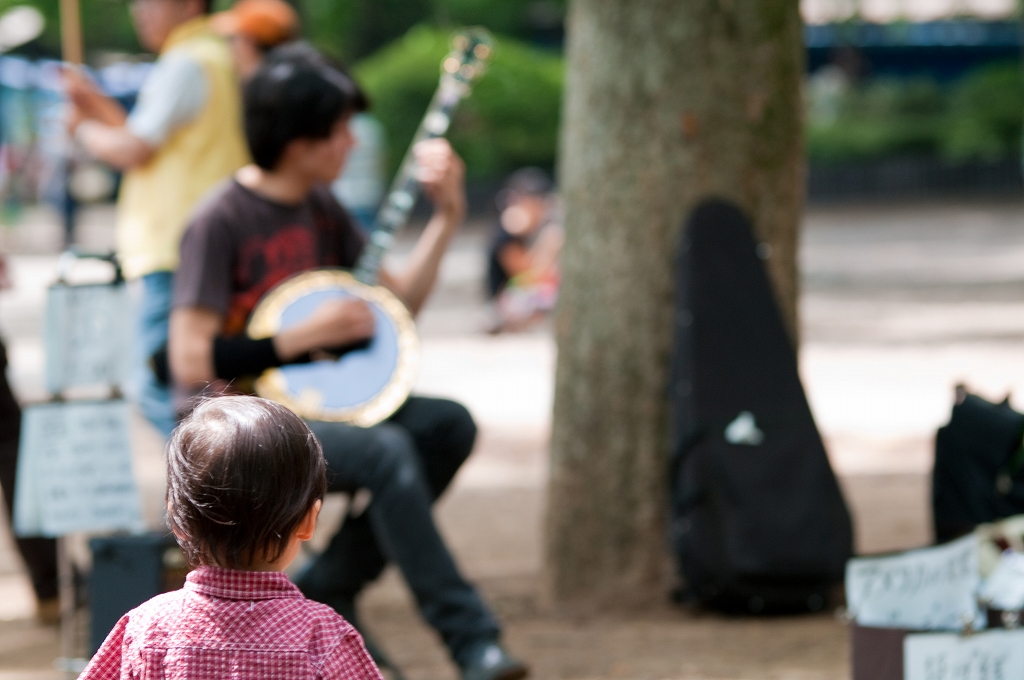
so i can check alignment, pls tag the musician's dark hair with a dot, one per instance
(242, 473)
(296, 93)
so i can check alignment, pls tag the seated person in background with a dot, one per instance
(522, 275)
(278, 218)
(245, 481)
(253, 28)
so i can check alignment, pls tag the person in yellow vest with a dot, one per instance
(183, 137)
(253, 28)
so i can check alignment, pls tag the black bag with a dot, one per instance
(127, 570)
(978, 457)
(758, 520)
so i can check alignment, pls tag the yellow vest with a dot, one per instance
(157, 199)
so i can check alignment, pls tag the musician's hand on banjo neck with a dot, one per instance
(441, 174)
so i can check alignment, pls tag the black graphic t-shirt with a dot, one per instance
(239, 245)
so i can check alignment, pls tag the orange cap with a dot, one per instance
(266, 22)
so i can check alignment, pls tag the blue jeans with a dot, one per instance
(405, 462)
(154, 311)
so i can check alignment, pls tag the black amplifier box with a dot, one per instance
(127, 570)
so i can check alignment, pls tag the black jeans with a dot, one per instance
(406, 463)
(39, 554)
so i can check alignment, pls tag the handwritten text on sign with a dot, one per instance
(87, 336)
(993, 655)
(75, 470)
(927, 589)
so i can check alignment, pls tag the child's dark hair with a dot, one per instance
(242, 472)
(297, 93)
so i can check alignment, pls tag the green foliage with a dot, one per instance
(985, 114)
(353, 29)
(509, 120)
(348, 29)
(978, 117)
(106, 25)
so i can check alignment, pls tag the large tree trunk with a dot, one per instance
(667, 102)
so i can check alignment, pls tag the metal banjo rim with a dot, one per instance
(266, 322)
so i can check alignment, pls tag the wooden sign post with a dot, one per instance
(71, 32)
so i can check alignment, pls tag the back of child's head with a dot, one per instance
(242, 473)
(297, 93)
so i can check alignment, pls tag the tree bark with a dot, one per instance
(667, 102)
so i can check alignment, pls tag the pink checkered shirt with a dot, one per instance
(232, 624)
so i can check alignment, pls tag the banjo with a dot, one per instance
(367, 383)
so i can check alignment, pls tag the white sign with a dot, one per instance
(75, 470)
(87, 335)
(927, 589)
(993, 655)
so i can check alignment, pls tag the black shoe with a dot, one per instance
(490, 661)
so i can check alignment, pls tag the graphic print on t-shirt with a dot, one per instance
(240, 245)
(263, 262)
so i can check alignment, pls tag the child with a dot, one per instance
(277, 218)
(522, 272)
(245, 480)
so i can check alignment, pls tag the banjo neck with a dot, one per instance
(463, 65)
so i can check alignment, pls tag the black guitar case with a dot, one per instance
(758, 521)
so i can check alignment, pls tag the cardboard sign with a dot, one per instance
(75, 470)
(87, 335)
(993, 655)
(927, 589)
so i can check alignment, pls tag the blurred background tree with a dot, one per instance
(357, 28)
(977, 117)
(347, 29)
(106, 26)
(395, 48)
(854, 115)
(510, 119)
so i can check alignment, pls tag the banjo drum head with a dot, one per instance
(363, 386)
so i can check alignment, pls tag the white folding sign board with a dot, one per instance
(992, 655)
(927, 589)
(87, 335)
(75, 470)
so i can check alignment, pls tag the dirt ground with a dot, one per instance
(899, 303)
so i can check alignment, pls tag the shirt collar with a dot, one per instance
(234, 584)
(193, 28)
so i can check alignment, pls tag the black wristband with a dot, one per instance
(232, 358)
(160, 366)
(242, 356)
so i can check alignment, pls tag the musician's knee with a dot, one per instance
(462, 429)
(397, 462)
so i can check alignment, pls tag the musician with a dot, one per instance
(276, 218)
(182, 138)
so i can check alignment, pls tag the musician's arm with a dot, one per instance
(190, 345)
(114, 145)
(414, 283)
(441, 174)
(197, 355)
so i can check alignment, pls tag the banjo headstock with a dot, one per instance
(471, 49)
